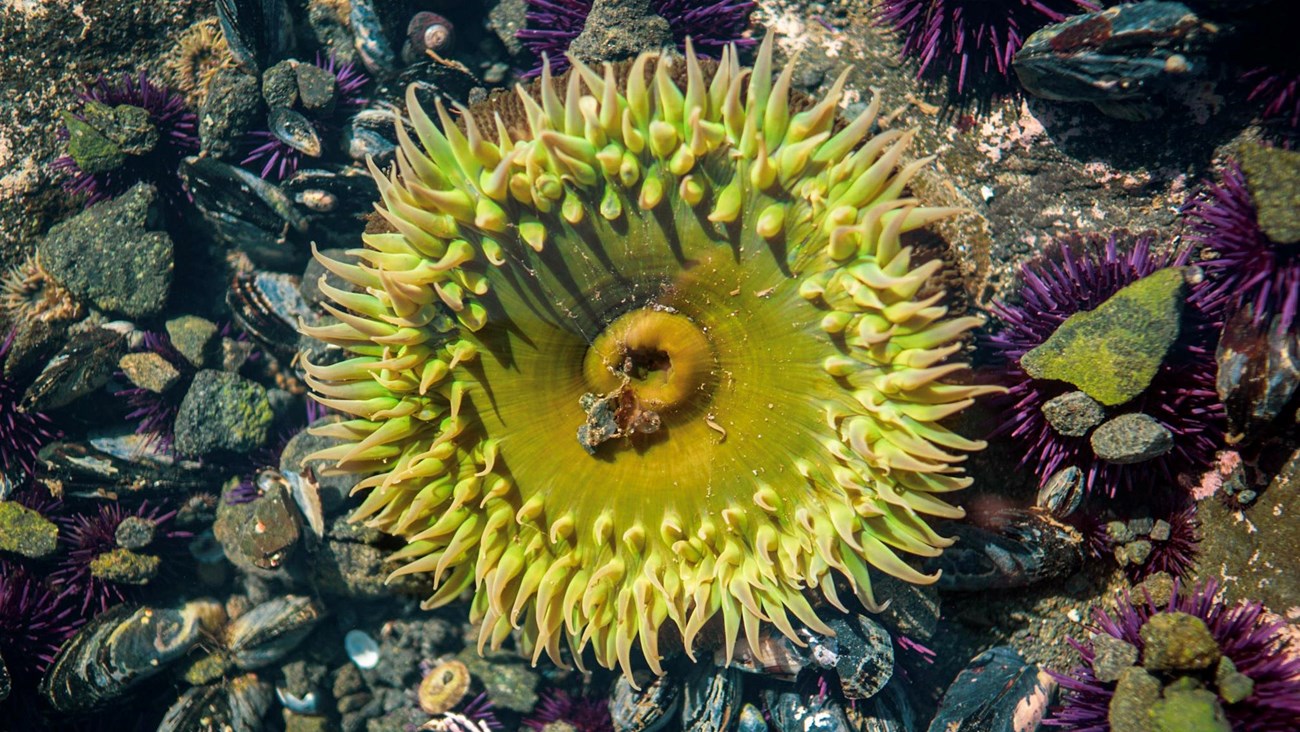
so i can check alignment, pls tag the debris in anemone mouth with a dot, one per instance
(733, 261)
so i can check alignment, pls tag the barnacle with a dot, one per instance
(651, 353)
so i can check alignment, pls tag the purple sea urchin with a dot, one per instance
(652, 353)
(95, 567)
(582, 714)
(22, 431)
(278, 158)
(1249, 268)
(1079, 276)
(1254, 644)
(177, 136)
(34, 621)
(971, 36)
(551, 26)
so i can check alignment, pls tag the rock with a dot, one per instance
(149, 371)
(1188, 710)
(197, 339)
(1074, 413)
(135, 533)
(348, 569)
(1113, 351)
(1160, 531)
(1135, 693)
(1273, 177)
(1119, 532)
(309, 286)
(1233, 685)
(316, 87)
(1113, 657)
(280, 85)
(1178, 641)
(1158, 588)
(258, 535)
(231, 110)
(507, 679)
(1134, 552)
(222, 412)
(619, 29)
(125, 567)
(913, 609)
(26, 532)
(506, 19)
(114, 254)
(235, 353)
(1131, 438)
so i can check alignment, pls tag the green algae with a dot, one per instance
(26, 532)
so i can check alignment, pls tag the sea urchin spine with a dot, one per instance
(656, 241)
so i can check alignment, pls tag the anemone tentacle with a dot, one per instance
(700, 248)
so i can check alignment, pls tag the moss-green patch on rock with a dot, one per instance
(26, 532)
(1273, 177)
(1112, 352)
(1188, 710)
(125, 567)
(1178, 641)
(222, 412)
(1135, 693)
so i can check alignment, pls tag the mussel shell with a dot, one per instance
(888, 711)
(258, 32)
(246, 212)
(337, 200)
(104, 465)
(5, 683)
(434, 79)
(865, 656)
(268, 306)
(372, 133)
(294, 130)
(1259, 372)
(1062, 493)
(85, 363)
(115, 651)
(371, 38)
(996, 691)
(271, 630)
(1019, 549)
(237, 705)
(651, 709)
(711, 699)
(792, 711)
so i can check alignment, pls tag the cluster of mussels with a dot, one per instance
(642, 364)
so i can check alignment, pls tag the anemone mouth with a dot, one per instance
(654, 353)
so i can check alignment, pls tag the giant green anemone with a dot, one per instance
(643, 347)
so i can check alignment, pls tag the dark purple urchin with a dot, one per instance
(22, 431)
(1245, 634)
(1175, 555)
(34, 621)
(278, 159)
(971, 36)
(1278, 89)
(551, 25)
(90, 535)
(177, 137)
(1249, 269)
(583, 713)
(1078, 276)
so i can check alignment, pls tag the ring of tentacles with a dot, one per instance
(642, 348)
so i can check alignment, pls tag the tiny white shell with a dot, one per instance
(361, 648)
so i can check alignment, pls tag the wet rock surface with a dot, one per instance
(1074, 413)
(114, 254)
(1131, 438)
(222, 412)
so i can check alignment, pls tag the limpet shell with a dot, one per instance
(443, 687)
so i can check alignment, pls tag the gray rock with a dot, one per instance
(235, 353)
(1131, 438)
(149, 371)
(619, 29)
(280, 85)
(1073, 414)
(222, 412)
(114, 255)
(913, 609)
(1113, 656)
(232, 108)
(316, 87)
(197, 339)
(1160, 531)
(135, 532)
(506, 19)
(348, 569)
(309, 287)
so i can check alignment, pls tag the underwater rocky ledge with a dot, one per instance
(890, 365)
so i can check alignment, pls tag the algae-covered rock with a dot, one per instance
(1233, 685)
(222, 411)
(125, 567)
(1188, 710)
(149, 371)
(1074, 413)
(508, 680)
(1273, 177)
(1113, 657)
(26, 532)
(197, 339)
(1135, 693)
(1131, 438)
(114, 254)
(1178, 641)
(1113, 351)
